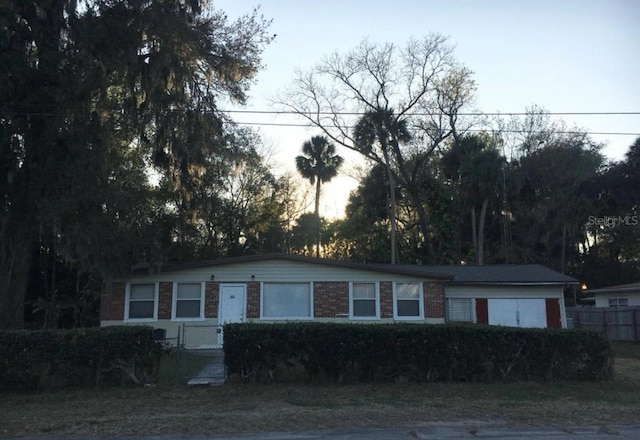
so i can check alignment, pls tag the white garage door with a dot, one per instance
(517, 312)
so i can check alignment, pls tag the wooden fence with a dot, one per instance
(620, 323)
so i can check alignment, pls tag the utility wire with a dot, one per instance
(289, 112)
(277, 124)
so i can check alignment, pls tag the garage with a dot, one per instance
(517, 312)
(527, 296)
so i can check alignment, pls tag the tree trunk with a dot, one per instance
(423, 219)
(563, 251)
(15, 260)
(474, 233)
(392, 208)
(483, 215)
(317, 212)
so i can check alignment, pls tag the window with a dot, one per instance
(141, 302)
(618, 302)
(364, 301)
(188, 301)
(460, 309)
(408, 300)
(287, 301)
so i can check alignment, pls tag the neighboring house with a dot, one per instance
(280, 287)
(617, 296)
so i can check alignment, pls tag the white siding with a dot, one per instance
(503, 291)
(273, 271)
(602, 300)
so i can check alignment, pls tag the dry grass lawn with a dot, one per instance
(238, 407)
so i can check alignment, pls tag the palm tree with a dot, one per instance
(387, 130)
(475, 167)
(319, 163)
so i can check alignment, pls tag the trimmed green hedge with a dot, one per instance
(415, 352)
(45, 359)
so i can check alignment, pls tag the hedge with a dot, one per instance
(421, 353)
(45, 359)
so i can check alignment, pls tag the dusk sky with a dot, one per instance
(563, 55)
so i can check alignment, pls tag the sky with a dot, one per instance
(562, 55)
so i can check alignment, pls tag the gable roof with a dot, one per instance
(632, 287)
(514, 274)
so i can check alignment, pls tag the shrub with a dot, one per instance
(46, 359)
(422, 353)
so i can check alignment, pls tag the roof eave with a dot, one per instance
(288, 257)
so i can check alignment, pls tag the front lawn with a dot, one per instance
(236, 407)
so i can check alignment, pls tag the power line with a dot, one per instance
(276, 124)
(290, 112)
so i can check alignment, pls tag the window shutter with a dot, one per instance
(482, 311)
(553, 313)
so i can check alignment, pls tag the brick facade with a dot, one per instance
(165, 298)
(112, 302)
(330, 299)
(386, 299)
(433, 295)
(211, 299)
(253, 299)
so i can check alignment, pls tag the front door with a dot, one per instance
(232, 305)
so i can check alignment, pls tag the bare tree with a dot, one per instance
(422, 82)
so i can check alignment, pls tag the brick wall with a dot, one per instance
(165, 295)
(211, 299)
(433, 300)
(112, 302)
(386, 299)
(330, 299)
(253, 299)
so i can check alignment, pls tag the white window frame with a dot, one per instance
(420, 302)
(376, 287)
(286, 318)
(174, 302)
(617, 302)
(127, 300)
(472, 309)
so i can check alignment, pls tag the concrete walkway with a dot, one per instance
(214, 373)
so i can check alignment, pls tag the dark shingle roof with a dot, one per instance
(500, 274)
(633, 287)
(490, 274)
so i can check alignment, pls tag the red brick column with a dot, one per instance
(211, 299)
(386, 299)
(165, 296)
(253, 299)
(330, 299)
(433, 294)
(112, 302)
